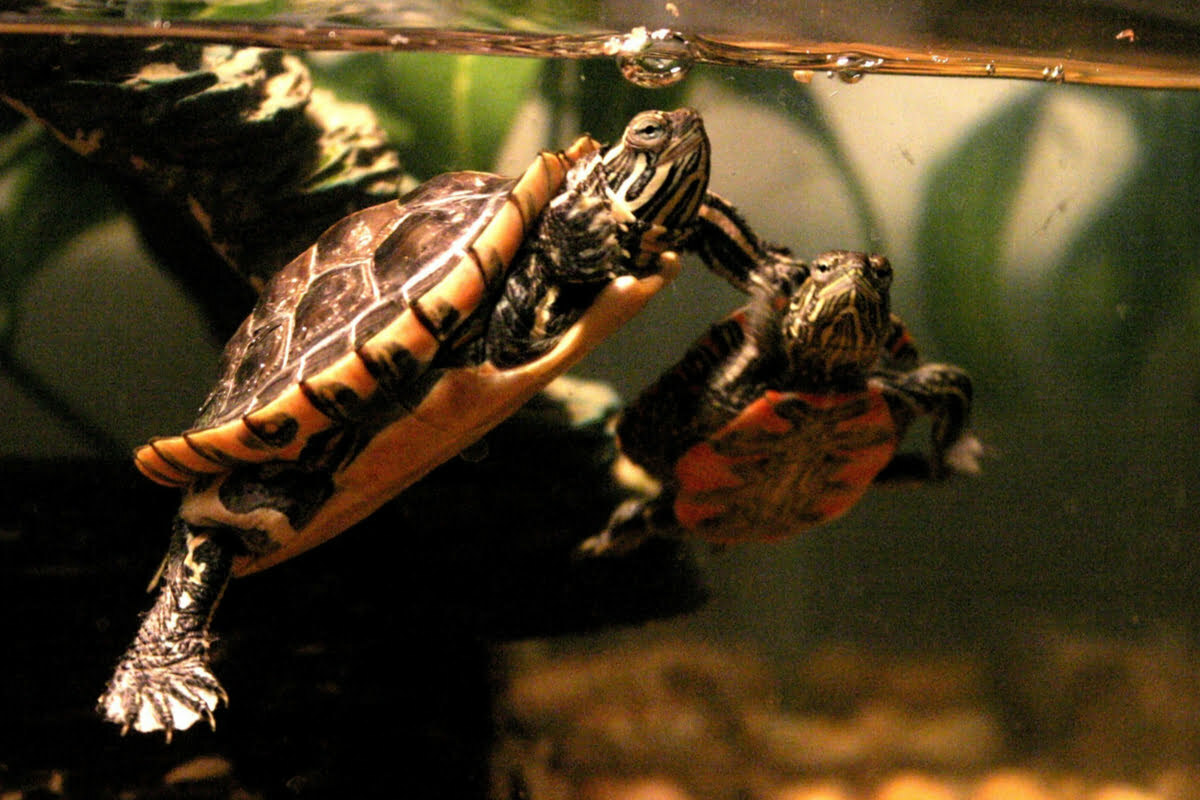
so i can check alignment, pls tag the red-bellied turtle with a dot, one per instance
(784, 413)
(405, 333)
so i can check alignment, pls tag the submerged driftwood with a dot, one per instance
(230, 158)
(233, 165)
(390, 624)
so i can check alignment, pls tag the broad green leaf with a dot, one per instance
(47, 197)
(960, 246)
(45, 200)
(1132, 269)
(238, 10)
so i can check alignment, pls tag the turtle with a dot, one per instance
(782, 415)
(403, 334)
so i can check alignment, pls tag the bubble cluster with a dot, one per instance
(1055, 74)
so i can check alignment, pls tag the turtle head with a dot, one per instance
(656, 178)
(837, 320)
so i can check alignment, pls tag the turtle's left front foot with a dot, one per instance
(163, 688)
(961, 458)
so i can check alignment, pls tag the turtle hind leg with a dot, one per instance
(630, 526)
(164, 681)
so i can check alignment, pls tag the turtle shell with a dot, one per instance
(367, 306)
(784, 462)
(787, 462)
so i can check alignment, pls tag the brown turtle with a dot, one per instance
(400, 337)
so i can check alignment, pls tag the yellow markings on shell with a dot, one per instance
(406, 330)
(171, 461)
(180, 460)
(488, 261)
(464, 405)
(150, 464)
(348, 372)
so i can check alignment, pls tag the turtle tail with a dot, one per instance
(164, 681)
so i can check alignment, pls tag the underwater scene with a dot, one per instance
(821, 426)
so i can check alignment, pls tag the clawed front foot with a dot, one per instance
(154, 690)
(961, 458)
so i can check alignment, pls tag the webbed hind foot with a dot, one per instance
(631, 525)
(152, 690)
(164, 681)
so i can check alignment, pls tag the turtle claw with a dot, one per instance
(170, 695)
(164, 681)
(963, 456)
(631, 524)
(599, 545)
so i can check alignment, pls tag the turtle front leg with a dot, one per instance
(164, 682)
(942, 392)
(731, 249)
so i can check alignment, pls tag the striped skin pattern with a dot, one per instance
(402, 336)
(785, 413)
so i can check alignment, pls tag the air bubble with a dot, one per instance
(652, 59)
(851, 67)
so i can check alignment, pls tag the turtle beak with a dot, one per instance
(689, 136)
(677, 177)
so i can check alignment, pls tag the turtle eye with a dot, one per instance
(881, 267)
(878, 270)
(825, 262)
(647, 132)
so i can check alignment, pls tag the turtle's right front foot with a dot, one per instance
(167, 691)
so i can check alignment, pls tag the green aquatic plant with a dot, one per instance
(45, 201)
(1123, 278)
